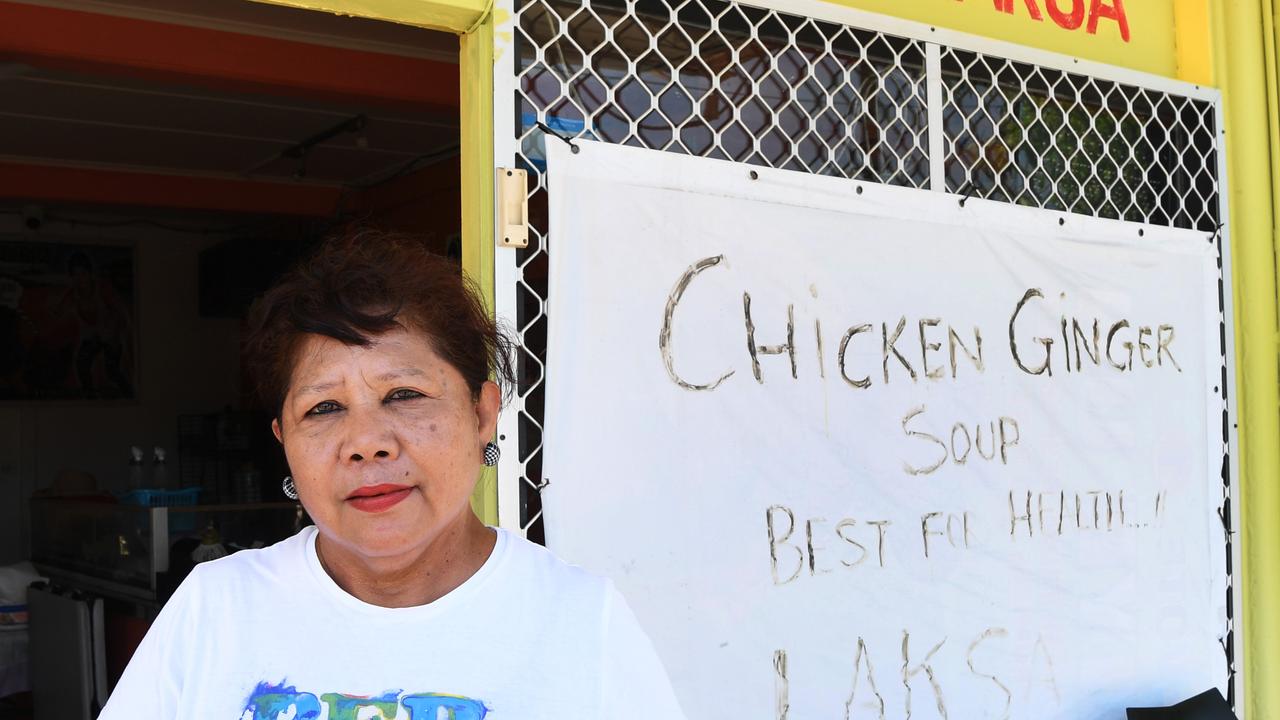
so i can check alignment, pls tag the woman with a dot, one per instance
(399, 602)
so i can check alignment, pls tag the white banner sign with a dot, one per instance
(855, 451)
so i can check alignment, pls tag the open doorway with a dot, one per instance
(160, 164)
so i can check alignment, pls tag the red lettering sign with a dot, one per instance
(1006, 6)
(1067, 21)
(1100, 9)
(1075, 17)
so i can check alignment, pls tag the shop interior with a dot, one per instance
(161, 163)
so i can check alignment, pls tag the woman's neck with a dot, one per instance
(420, 576)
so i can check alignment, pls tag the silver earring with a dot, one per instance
(491, 454)
(290, 490)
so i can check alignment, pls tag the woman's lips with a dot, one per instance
(377, 498)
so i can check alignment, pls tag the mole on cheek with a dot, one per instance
(433, 427)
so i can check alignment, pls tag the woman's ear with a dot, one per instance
(487, 407)
(275, 430)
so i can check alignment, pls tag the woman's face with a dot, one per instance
(384, 442)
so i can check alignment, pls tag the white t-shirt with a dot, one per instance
(268, 635)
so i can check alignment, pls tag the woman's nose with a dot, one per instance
(368, 438)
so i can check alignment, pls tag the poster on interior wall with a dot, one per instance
(857, 451)
(66, 321)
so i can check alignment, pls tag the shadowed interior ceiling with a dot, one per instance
(224, 90)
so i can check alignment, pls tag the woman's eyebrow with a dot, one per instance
(317, 388)
(402, 372)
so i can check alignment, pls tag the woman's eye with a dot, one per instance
(324, 408)
(404, 394)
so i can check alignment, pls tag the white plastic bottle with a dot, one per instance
(137, 471)
(159, 473)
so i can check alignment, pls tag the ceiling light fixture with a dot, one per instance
(301, 150)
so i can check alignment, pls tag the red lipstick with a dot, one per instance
(377, 498)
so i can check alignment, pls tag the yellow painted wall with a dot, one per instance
(476, 118)
(1242, 42)
(1193, 41)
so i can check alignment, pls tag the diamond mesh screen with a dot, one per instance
(1024, 134)
(722, 80)
(707, 78)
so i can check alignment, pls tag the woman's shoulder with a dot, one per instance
(272, 563)
(248, 578)
(538, 566)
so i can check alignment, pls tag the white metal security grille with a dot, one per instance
(708, 78)
(817, 88)
(728, 81)
(1025, 134)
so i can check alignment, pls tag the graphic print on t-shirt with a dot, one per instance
(281, 702)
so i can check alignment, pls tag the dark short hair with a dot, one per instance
(362, 283)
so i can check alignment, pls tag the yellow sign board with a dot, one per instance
(1137, 34)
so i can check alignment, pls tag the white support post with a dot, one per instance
(933, 97)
